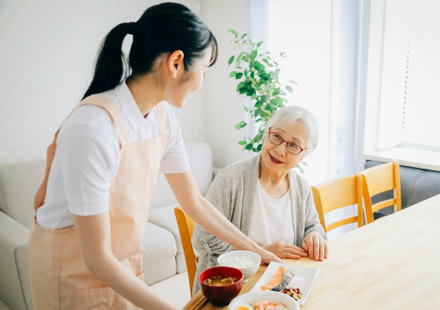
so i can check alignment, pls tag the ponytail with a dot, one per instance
(162, 28)
(111, 65)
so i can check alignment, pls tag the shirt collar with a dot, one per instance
(128, 105)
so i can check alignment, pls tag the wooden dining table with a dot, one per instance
(392, 263)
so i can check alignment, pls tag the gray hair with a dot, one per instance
(291, 114)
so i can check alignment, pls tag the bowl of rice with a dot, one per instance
(247, 261)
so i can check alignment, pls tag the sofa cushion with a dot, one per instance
(18, 184)
(14, 279)
(200, 161)
(159, 247)
(165, 218)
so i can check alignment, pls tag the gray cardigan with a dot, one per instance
(232, 193)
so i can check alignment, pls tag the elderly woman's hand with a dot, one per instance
(316, 246)
(285, 250)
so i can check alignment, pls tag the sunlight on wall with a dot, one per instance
(302, 30)
(47, 59)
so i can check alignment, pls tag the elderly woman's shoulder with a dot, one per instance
(239, 167)
(299, 179)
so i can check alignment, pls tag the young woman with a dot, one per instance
(92, 208)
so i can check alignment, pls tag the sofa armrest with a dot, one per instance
(14, 284)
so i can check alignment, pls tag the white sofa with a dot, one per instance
(163, 253)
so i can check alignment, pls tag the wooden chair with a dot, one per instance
(379, 179)
(336, 194)
(186, 229)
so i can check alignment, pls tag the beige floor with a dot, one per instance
(176, 287)
(175, 290)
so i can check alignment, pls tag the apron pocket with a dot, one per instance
(100, 298)
(97, 298)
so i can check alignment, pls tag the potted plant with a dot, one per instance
(257, 74)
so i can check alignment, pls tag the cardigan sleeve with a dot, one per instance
(208, 246)
(312, 224)
(219, 195)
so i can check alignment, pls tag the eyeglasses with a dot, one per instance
(291, 147)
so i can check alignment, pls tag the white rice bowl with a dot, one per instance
(247, 261)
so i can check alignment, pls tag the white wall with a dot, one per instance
(224, 105)
(47, 56)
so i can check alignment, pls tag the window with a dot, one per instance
(403, 104)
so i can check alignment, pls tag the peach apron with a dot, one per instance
(58, 274)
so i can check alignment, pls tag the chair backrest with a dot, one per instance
(186, 228)
(336, 194)
(379, 179)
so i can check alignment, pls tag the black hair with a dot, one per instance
(163, 28)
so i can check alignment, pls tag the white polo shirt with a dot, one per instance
(87, 157)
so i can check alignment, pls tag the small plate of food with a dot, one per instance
(263, 300)
(296, 282)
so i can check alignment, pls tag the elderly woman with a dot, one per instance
(266, 198)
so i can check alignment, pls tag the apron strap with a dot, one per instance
(163, 117)
(111, 108)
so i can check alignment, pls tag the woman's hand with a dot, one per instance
(267, 256)
(315, 246)
(285, 250)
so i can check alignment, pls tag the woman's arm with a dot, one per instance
(204, 213)
(94, 235)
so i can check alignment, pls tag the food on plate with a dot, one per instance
(275, 280)
(243, 307)
(295, 293)
(280, 279)
(220, 281)
(268, 305)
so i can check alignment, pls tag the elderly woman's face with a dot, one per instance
(276, 157)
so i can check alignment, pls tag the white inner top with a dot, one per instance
(87, 157)
(271, 219)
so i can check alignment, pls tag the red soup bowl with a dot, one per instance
(221, 284)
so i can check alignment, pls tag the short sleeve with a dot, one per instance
(89, 157)
(175, 159)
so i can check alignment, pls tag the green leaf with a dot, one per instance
(259, 44)
(239, 75)
(289, 88)
(235, 33)
(258, 66)
(282, 54)
(259, 104)
(231, 60)
(242, 142)
(250, 92)
(232, 74)
(254, 54)
(248, 147)
(242, 37)
(246, 108)
(259, 147)
(240, 125)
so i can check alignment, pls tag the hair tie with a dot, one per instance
(131, 28)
